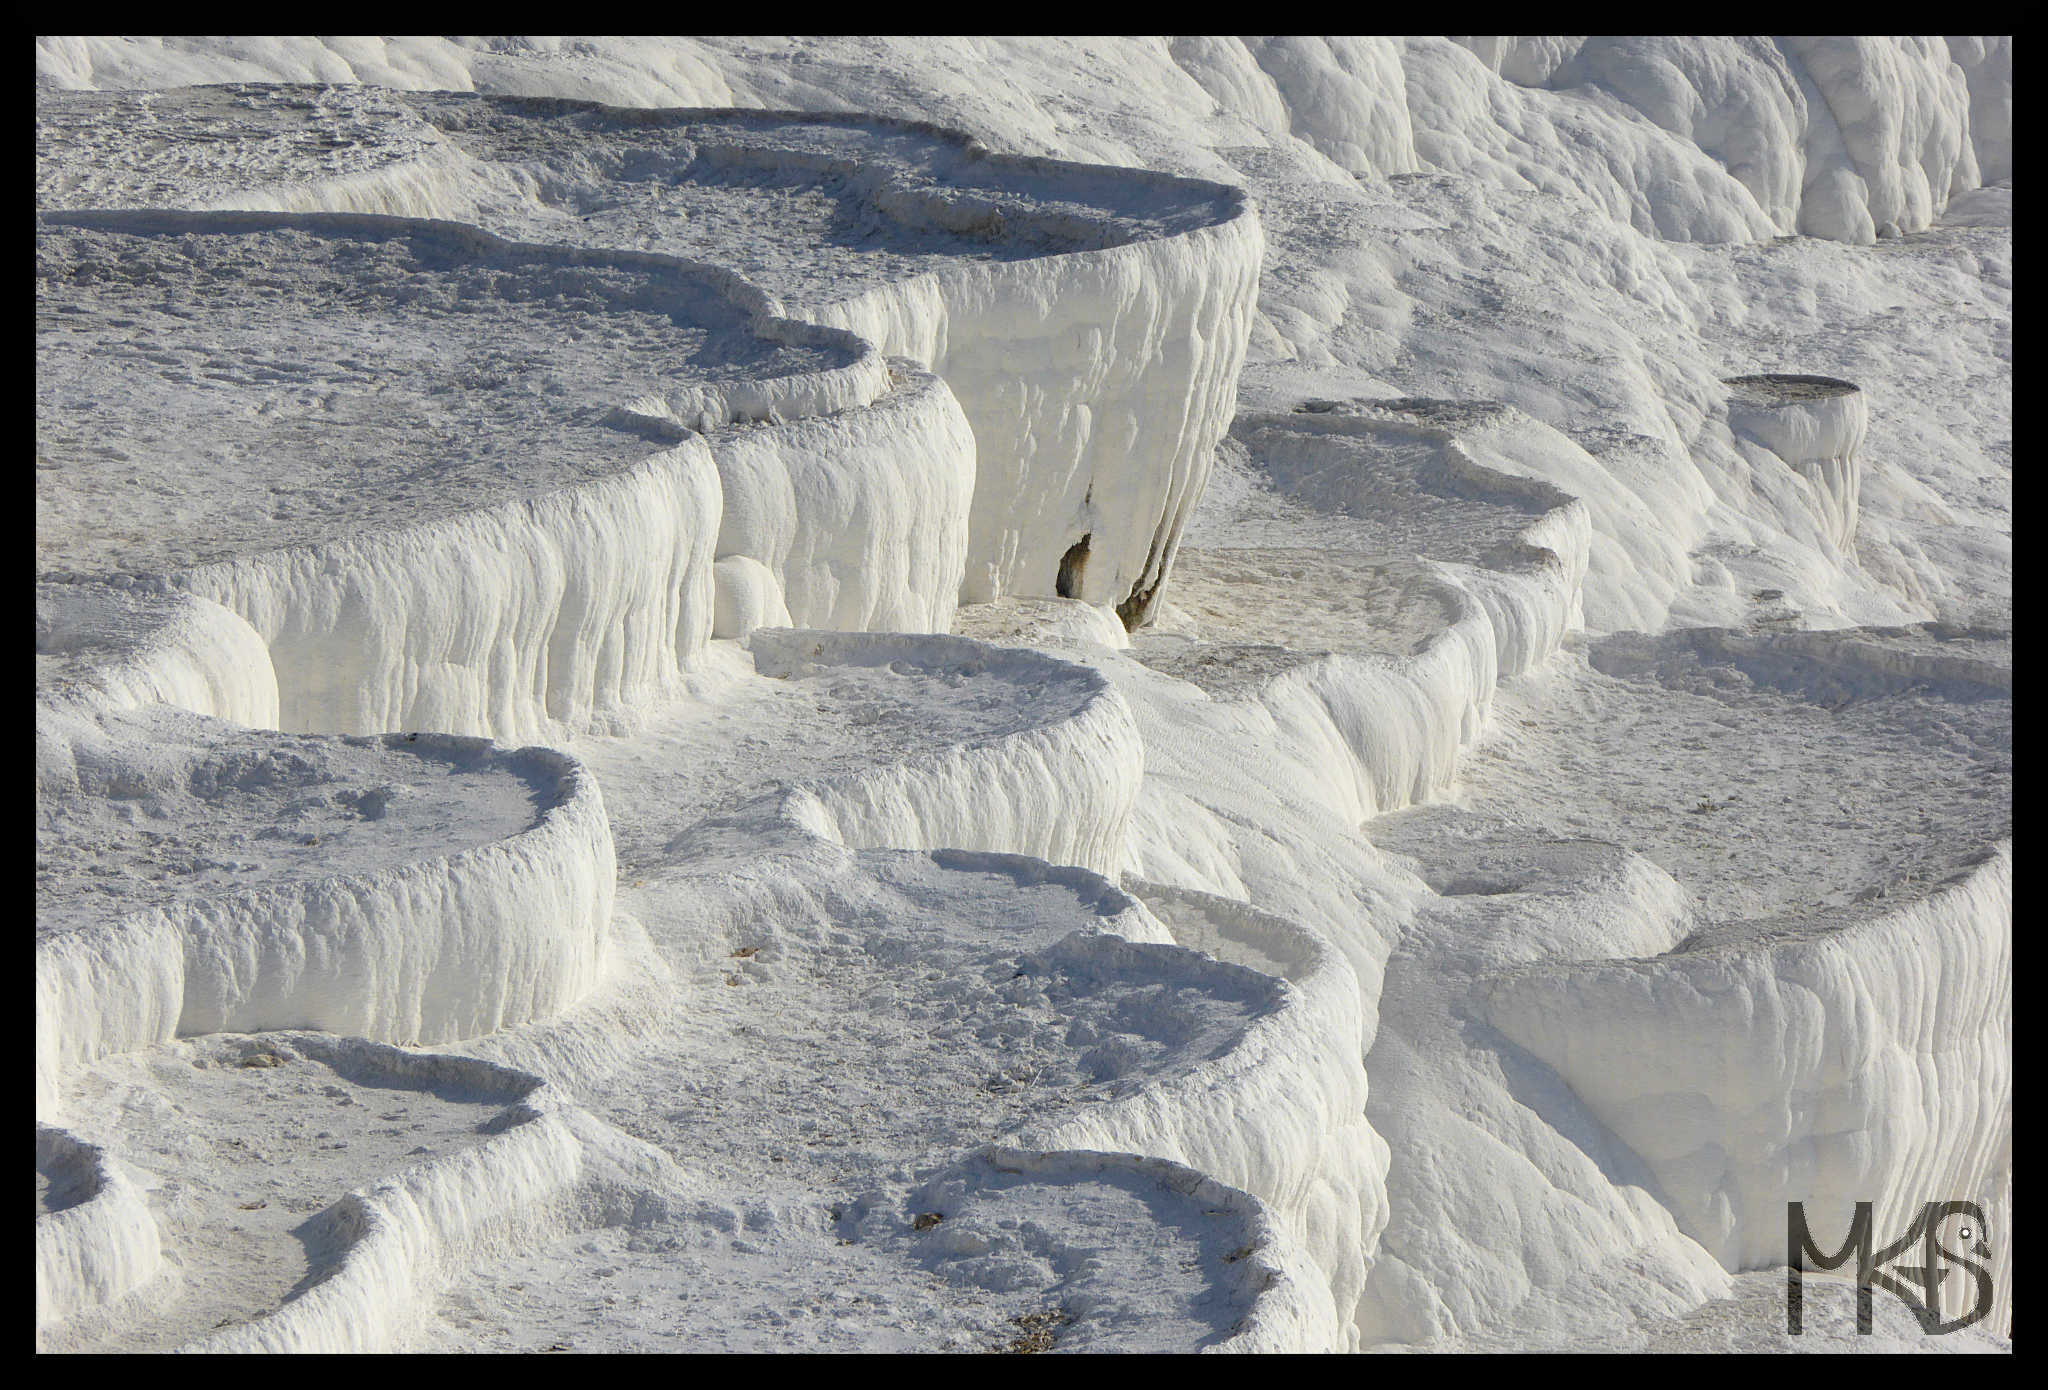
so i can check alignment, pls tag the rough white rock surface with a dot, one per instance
(1381, 614)
(1707, 137)
(95, 1237)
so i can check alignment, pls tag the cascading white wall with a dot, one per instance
(1844, 137)
(1830, 1064)
(858, 518)
(512, 621)
(1098, 383)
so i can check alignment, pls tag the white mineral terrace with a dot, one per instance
(1090, 321)
(680, 709)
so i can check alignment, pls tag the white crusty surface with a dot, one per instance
(1254, 694)
(986, 268)
(212, 393)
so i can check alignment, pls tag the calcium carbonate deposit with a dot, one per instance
(889, 694)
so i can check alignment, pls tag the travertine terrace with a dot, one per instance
(1103, 695)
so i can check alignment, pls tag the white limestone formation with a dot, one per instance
(1860, 1059)
(95, 1238)
(1815, 424)
(426, 917)
(1316, 751)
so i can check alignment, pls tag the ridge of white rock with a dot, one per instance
(1389, 726)
(111, 647)
(1282, 1114)
(1057, 789)
(1143, 326)
(599, 595)
(400, 1239)
(1286, 1307)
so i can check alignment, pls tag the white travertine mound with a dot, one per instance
(748, 596)
(102, 648)
(511, 621)
(95, 1238)
(491, 1158)
(408, 888)
(1363, 482)
(1082, 494)
(1282, 1114)
(436, 351)
(979, 993)
(1059, 786)
(1408, 689)
(416, 594)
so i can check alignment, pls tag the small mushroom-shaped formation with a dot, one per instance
(1815, 424)
(748, 597)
